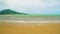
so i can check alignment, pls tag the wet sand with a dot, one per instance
(16, 28)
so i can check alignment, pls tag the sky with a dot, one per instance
(32, 6)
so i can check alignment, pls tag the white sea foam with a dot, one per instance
(31, 21)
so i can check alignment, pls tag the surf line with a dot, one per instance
(33, 21)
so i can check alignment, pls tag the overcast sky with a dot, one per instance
(32, 6)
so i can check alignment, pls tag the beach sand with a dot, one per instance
(13, 28)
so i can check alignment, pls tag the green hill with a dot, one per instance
(8, 11)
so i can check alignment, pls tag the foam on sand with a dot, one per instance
(30, 21)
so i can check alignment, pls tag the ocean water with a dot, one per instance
(29, 18)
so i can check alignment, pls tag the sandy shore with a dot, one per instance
(32, 28)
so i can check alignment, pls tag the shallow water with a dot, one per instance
(28, 18)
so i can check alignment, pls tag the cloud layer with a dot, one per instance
(34, 5)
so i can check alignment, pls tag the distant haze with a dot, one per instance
(32, 6)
